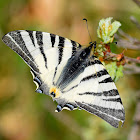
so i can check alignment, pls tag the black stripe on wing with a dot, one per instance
(113, 92)
(98, 74)
(31, 36)
(7, 40)
(16, 35)
(107, 80)
(114, 100)
(52, 36)
(91, 93)
(39, 37)
(96, 61)
(74, 46)
(60, 48)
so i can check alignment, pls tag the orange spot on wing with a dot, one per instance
(56, 91)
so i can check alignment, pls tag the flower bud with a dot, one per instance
(106, 29)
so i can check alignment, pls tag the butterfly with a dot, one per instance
(68, 72)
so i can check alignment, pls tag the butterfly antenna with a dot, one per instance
(87, 28)
(115, 42)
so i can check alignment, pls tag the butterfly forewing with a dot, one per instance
(79, 79)
(43, 52)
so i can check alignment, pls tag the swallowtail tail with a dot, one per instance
(69, 73)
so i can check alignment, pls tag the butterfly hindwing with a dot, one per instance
(94, 91)
(107, 103)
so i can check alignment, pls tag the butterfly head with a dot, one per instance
(54, 92)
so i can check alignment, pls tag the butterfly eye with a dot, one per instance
(53, 94)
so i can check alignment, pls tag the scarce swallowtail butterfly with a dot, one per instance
(69, 73)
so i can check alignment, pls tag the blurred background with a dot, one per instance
(26, 115)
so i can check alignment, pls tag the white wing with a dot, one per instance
(45, 53)
(94, 91)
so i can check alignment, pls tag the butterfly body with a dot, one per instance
(69, 73)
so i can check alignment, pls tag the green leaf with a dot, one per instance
(119, 73)
(115, 27)
(114, 71)
(111, 68)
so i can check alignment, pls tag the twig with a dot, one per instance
(128, 59)
(134, 20)
(137, 2)
(126, 41)
(130, 66)
(131, 69)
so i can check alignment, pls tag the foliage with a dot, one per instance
(115, 71)
(106, 31)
